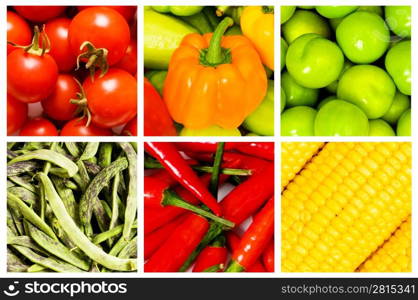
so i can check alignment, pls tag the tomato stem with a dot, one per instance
(96, 57)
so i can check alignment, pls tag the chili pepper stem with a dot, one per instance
(214, 269)
(215, 54)
(234, 267)
(214, 179)
(171, 198)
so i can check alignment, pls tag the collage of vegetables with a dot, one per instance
(195, 188)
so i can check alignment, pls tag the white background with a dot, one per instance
(141, 3)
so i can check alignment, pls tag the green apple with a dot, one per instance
(398, 65)
(282, 99)
(306, 7)
(210, 131)
(303, 22)
(286, 12)
(314, 61)
(297, 121)
(399, 20)
(369, 87)
(283, 51)
(400, 103)
(326, 100)
(332, 12)
(261, 121)
(379, 127)
(363, 37)
(373, 9)
(404, 124)
(340, 118)
(297, 94)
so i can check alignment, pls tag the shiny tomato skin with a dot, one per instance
(104, 28)
(57, 106)
(128, 12)
(77, 127)
(111, 99)
(57, 31)
(18, 31)
(39, 13)
(30, 78)
(39, 127)
(17, 114)
(130, 60)
(131, 128)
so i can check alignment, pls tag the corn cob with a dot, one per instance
(294, 156)
(394, 255)
(344, 204)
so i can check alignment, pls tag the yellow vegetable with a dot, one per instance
(344, 204)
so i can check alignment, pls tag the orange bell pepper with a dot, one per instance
(214, 80)
(257, 23)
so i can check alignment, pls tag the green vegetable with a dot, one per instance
(162, 35)
(182, 10)
(199, 21)
(157, 79)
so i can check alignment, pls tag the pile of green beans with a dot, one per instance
(71, 207)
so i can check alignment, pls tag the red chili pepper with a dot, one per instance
(254, 240)
(239, 160)
(233, 241)
(157, 121)
(171, 159)
(268, 257)
(177, 248)
(157, 194)
(262, 149)
(243, 201)
(163, 175)
(154, 218)
(155, 239)
(212, 258)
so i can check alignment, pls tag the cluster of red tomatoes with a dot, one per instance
(79, 63)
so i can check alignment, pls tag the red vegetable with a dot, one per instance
(268, 257)
(57, 31)
(243, 201)
(131, 128)
(58, 106)
(233, 241)
(77, 127)
(177, 248)
(17, 113)
(170, 158)
(212, 258)
(39, 127)
(157, 121)
(18, 31)
(254, 240)
(103, 28)
(130, 60)
(155, 239)
(154, 218)
(112, 98)
(39, 13)
(127, 12)
(263, 149)
(200, 146)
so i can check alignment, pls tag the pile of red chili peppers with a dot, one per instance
(187, 227)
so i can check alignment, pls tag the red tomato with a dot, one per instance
(131, 128)
(130, 59)
(18, 31)
(57, 106)
(112, 98)
(30, 78)
(39, 13)
(127, 12)
(77, 127)
(104, 28)
(57, 31)
(17, 113)
(39, 127)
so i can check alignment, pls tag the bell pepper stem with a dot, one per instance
(215, 55)
(234, 267)
(171, 198)
(214, 179)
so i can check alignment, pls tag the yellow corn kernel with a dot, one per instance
(344, 204)
(394, 255)
(294, 156)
